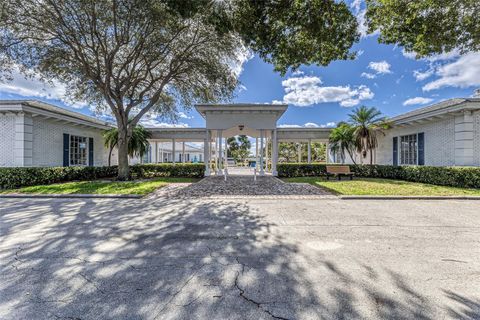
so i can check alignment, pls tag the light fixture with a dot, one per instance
(240, 127)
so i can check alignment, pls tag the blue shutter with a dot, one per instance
(90, 152)
(421, 148)
(395, 151)
(66, 149)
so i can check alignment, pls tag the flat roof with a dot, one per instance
(9, 105)
(241, 107)
(443, 107)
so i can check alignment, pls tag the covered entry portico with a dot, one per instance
(228, 120)
(258, 121)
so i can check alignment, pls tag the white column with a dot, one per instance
(464, 139)
(327, 151)
(153, 154)
(173, 151)
(274, 153)
(299, 150)
(262, 172)
(161, 152)
(309, 151)
(23, 145)
(256, 152)
(183, 151)
(215, 155)
(220, 152)
(266, 153)
(206, 153)
(226, 154)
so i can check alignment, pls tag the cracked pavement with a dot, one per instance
(165, 258)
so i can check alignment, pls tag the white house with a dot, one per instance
(34, 133)
(38, 134)
(443, 134)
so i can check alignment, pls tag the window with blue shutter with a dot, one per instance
(90, 152)
(421, 148)
(395, 151)
(66, 149)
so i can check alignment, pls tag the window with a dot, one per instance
(78, 151)
(408, 149)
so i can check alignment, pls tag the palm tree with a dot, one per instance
(137, 145)
(342, 139)
(367, 124)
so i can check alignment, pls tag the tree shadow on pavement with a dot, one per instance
(180, 259)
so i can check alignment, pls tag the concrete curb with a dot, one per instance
(409, 197)
(70, 196)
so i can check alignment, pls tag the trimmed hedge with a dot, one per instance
(291, 170)
(184, 170)
(464, 177)
(11, 178)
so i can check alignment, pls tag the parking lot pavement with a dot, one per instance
(171, 258)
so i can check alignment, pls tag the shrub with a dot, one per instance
(19, 177)
(465, 177)
(11, 178)
(290, 170)
(184, 170)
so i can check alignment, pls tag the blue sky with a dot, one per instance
(382, 76)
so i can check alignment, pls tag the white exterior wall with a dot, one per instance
(446, 141)
(48, 142)
(476, 138)
(439, 142)
(7, 140)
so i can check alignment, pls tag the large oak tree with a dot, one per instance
(427, 27)
(133, 57)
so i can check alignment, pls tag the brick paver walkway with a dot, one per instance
(244, 186)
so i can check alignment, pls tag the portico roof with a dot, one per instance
(277, 109)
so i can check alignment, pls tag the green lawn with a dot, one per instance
(384, 187)
(101, 187)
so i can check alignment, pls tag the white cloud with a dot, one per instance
(368, 75)
(417, 100)
(153, 123)
(241, 88)
(298, 73)
(462, 73)
(308, 90)
(356, 4)
(420, 76)
(360, 13)
(328, 125)
(289, 126)
(308, 125)
(436, 57)
(154, 120)
(242, 56)
(380, 67)
(34, 87)
(183, 115)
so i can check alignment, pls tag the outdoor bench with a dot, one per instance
(338, 171)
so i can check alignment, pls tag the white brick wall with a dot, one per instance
(7, 140)
(439, 142)
(48, 142)
(476, 138)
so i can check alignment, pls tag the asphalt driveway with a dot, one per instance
(239, 259)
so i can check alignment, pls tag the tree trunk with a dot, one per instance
(123, 170)
(350, 153)
(371, 156)
(110, 156)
